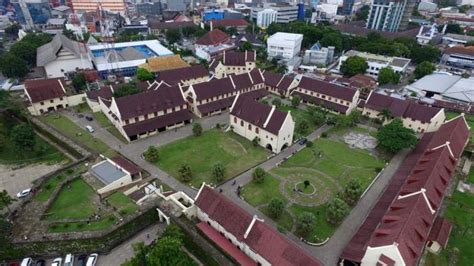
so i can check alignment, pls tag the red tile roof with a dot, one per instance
(44, 89)
(175, 76)
(229, 22)
(213, 37)
(262, 239)
(405, 213)
(126, 164)
(104, 92)
(440, 231)
(257, 114)
(326, 88)
(401, 108)
(149, 102)
(234, 58)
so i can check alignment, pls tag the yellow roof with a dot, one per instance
(156, 64)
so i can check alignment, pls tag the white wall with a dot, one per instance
(53, 69)
(372, 255)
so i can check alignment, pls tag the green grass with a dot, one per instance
(42, 151)
(322, 229)
(48, 187)
(284, 221)
(82, 108)
(122, 203)
(79, 135)
(201, 153)
(105, 123)
(298, 116)
(74, 201)
(460, 211)
(257, 194)
(101, 224)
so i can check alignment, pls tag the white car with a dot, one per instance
(27, 262)
(90, 129)
(69, 260)
(57, 262)
(23, 193)
(92, 260)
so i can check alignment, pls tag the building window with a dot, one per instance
(61, 98)
(256, 130)
(42, 103)
(235, 120)
(51, 101)
(250, 127)
(146, 116)
(241, 123)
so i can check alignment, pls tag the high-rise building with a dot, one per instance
(385, 15)
(266, 17)
(409, 7)
(92, 5)
(286, 13)
(347, 6)
(37, 10)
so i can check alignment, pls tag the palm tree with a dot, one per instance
(6, 199)
(385, 114)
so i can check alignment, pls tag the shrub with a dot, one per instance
(337, 210)
(69, 171)
(151, 154)
(275, 207)
(309, 144)
(218, 126)
(324, 135)
(197, 129)
(305, 223)
(276, 102)
(255, 141)
(258, 175)
(185, 172)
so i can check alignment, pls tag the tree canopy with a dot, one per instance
(173, 35)
(424, 68)
(23, 136)
(305, 223)
(354, 65)
(126, 89)
(144, 75)
(185, 172)
(151, 154)
(276, 207)
(388, 75)
(352, 191)
(337, 210)
(218, 172)
(395, 137)
(197, 129)
(258, 175)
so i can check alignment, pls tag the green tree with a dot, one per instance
(305, 223)
(316, 114)
(255, 141)
(25, 51)
(258, 175)
(453, 28)
(218, 172)
(188, 31)
(197, 129)
(336, 211)
(363, 13)
(394, 136)
(13, 66)
(306, 184)
(424, 68)
(276, 102)
(13, 29)
(151, 154)
(303, 128)
(385, 115)
(173, 35)
(352, 191)
(79, 81)
(6, 199)
(173, 231)
(23, 136)
(140, 257)
(144, 75)
(426, 53)
(354, 65)
(295, 101)
(246, 46)
(275, 207)
(126, 89)
(387, 75)
(168, 252)
(185, 172)
(332, 39)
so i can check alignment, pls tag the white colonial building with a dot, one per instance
(284, 45)
(272, 128)
(233, 63)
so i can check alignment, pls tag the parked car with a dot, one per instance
(27, 262)
(57, 262)
(90, 129)
(69, 260)
(23, 193)
(81, 260)
(14, 263)
(89, 118)
(92, 260)
(302, 141)
(40, 263)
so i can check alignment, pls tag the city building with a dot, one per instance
(284, 45)
(217, 95)
(212, 14)
(457, 39)
(212, 44)
(48, 95)
(385, 15)
(149, 8)
(124, 57)
(115, 173)
(281, 85)
(401, 223)
(459, 56)
(35, 12)
(330, 96)
(427, 6)
(239, 24)
(61, 56)
(158, 108)
(410, 6)
(157, 64)
(252, 241)
(185, 76)
(427, 33)
(317, 55)
(286, 13)
(81, 6)
(157, 27)
(347, 7)
(176, 5)
(273, 129)
(421, 118)
(233, 62)
(445, 87)
(266, 17)
(377, 62)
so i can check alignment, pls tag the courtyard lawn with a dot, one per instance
(48, 187)
(41, 152)
(299, 116)
(262, 193)
(122, 203)
(460, 212)
(100, 224)
(203, 152)
(105, 123)
(74, 201)
(79, 135)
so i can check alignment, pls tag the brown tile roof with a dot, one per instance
(212, 88)
(213, 37)
(262, 239)
(162, 63)
(405, 214)
(126, 164)
(175, 76)
(233, 58)
(401, 108)
(157, 122)
(149, 102)
(329, 89)
(214, 106)
(104, 92)
(256, 113)
(323, 103)
(44, 89)
(171, 25)
(460, 49)
(280, 82)
(229, 22)
(440, 231)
